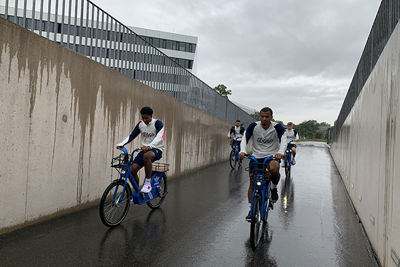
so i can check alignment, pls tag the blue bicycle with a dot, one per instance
(118, 196)
(234, 158)
(261, 202)
(288, 159)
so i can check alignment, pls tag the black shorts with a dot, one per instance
(237, 143)
(289, 146)
(139, 158)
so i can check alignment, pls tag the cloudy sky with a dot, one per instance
(296, 56)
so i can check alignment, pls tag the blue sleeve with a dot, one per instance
(295, 133)
(280, 130)
(134, 133)
(159, 125)
(232, 130)
(249, 131)
(242, 130)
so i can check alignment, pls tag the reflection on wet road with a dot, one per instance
(201, 223)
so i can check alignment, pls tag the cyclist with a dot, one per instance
(152, 145)
(267, 142)
(237, 132)
(291, 136)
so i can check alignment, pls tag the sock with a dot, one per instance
(147, 180)
(273, 186)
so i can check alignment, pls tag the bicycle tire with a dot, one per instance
(232, 160)
(162, 193)
(268, 206)
(107, 215)
(287, 167)
(255, 233)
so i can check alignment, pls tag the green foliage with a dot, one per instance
(221, 89)
(256, 116)
(311, 129)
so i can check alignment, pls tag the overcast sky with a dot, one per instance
(296, 56)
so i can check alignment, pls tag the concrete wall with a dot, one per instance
(367, 153)
(61, 115)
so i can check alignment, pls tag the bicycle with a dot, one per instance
(288, 160)
(234, 158)
(261, 202)
(118, 196)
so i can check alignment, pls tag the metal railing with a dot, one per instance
(385, 21)
(87, 29)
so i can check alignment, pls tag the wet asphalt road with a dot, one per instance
(201, 223)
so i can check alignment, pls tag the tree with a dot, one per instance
(221, 89)
(311, 129)
(256, 116)
(307, 129)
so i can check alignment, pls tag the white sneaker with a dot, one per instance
(146, 188)
(293, 162)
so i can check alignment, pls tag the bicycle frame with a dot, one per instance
(137, 196)
(261, 186)
(235, 148)
(288, 156)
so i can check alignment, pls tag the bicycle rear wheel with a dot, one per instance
(256, 220)
(232, 160)
(112, 209)
(162, 192)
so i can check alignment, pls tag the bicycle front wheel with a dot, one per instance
(113, 209)
(287, 169)
(256, 220)
(162, 193)
(232, 159)
(287, 166)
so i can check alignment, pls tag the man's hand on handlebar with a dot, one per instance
(119, 147)
(241, 155)
(279, 156)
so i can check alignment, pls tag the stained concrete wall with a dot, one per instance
(61, 115)
(367, 153)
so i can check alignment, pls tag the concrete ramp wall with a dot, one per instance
(367, 153)
(61, 115)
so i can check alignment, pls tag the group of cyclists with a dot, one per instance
(269, 139)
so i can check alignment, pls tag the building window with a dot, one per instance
(182, 46)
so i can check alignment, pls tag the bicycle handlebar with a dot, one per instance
(123, 149)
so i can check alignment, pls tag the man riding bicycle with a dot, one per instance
(236, 132)
(291, 136)
(152, 145)
(267, 142)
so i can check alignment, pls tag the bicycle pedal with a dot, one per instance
(142, 195)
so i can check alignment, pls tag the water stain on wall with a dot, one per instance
(198, 137)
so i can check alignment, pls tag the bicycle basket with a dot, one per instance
(160, 167)
(258, 170)
(119, 161)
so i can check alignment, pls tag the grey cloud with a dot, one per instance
(264, 42)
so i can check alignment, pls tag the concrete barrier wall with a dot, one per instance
(61, 115)
(367, 153)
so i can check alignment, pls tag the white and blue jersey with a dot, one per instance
(152, 134)
(291, 135)
(236, 132)
(267, 142)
